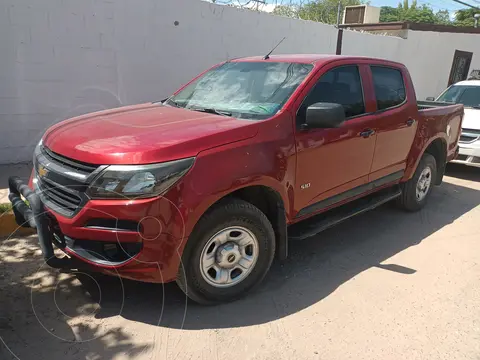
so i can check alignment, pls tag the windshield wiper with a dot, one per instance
(172, 103)
(211, 111)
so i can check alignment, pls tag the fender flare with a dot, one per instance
(412, 165)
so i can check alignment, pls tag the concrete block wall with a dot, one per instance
(61, 58)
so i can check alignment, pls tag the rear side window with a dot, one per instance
(340, 85)
(389, 87)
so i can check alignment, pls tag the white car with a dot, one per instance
(467, 93)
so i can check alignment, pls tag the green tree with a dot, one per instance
(464, 17)
(324, 10)
(285, 10)
(388, 14)
(442, 17)
(414, 13)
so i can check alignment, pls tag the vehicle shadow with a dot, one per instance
(463, 172)
(314, 269)
(47, 314)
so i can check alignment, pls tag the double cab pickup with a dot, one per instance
(207, 187)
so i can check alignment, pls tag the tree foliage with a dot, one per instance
(324, 11)
(286, 10)
(465, 17)
(414, 13)
(442, 17)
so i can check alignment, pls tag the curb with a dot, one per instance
(8, 226)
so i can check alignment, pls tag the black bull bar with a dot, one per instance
(33, 215)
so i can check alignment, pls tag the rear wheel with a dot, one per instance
(228, 253)
(416, 191)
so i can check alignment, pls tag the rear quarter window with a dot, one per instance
(389, 87)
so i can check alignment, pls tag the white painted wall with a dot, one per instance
(428, 55)
(60, 58)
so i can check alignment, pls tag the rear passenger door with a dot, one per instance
(395, 122)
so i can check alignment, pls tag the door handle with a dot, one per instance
(410, 122)
(367, 132)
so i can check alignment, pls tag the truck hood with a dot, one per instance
(144, 134)
(471, 119)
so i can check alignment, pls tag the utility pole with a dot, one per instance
(339, 9)
(339, 31)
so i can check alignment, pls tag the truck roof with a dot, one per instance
(469, 83)
(311, 58)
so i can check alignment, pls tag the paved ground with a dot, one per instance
(385, 285)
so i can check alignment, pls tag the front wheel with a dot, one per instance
(416, 191)
(228, 253)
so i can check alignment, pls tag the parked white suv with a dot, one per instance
(468, 94)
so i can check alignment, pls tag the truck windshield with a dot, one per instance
(249, 90)
(467, 95)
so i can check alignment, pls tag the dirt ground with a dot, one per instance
(384, 285)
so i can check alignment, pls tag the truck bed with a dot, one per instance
(440, 118)
(422, 105)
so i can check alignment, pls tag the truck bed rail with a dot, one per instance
(432, 104)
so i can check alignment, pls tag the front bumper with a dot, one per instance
(150, 252)
(34, 215)
(469, 154)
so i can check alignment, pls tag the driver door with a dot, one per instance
(333, 164)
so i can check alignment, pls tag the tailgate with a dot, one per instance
(443, 119)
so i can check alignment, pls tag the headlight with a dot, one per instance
(138, 181)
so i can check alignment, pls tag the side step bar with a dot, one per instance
(313, 226)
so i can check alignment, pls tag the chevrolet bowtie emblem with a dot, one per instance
(42, 171)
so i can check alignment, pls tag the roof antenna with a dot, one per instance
(271, 51)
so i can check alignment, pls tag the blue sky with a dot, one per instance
(435, 4)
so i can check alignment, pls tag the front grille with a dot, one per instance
(61, 181)
(467, 138)
(65, 201)
(469, 135)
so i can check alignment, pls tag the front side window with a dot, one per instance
(462, 94)
(389, 87)
(250, 90)
(342, 86)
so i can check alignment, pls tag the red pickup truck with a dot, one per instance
(206, 187)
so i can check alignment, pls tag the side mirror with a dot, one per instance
(430, 98)
(325, 115)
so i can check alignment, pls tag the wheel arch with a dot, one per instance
(438, 148)
(270, 202)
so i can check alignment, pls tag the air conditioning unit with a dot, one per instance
(361, 14)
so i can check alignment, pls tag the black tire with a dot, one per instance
(234, 212)
(408, 200)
